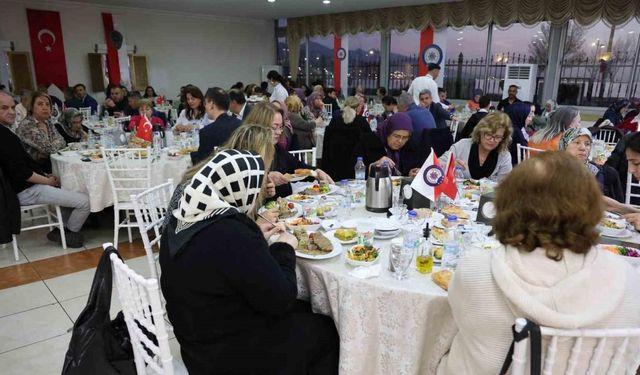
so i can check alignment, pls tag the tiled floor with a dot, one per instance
(42, 295)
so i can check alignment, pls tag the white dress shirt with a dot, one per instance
(199, 122)
(424, 83)
(279, 93)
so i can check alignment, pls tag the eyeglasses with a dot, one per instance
(495, 138)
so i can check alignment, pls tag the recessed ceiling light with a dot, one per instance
(271, 1)
(326, 1)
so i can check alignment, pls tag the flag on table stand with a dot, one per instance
(47, 47)
(145, 129)
(432, 180)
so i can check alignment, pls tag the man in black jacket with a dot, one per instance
(475, 118)
(238, 106)
(440, 114)
(218, 131)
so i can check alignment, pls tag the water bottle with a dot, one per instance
(105, 114)
(347, 199)
(460, 180)
(168, 136)
(360, 169)
(451, 244)
(373, 124)
(412, 231)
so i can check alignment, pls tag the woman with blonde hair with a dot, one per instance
(548, 269)
(341, 137)
(486, 154)
(303, 130)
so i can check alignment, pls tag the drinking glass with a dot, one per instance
(401, 257)
(366, 233)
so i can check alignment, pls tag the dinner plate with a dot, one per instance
(331, 234)
(386, 225)
(386, 235)
(337, 250)
(297, 210)
(625, 233)
(296, 178)
(309, 199)
(332, 190)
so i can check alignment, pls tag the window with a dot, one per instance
(465, 54)
(321, 60)
(364, 62)
(403, 60)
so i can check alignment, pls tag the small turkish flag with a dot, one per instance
(448, 186)
(47, 47)
(432, 180)
(145, 129)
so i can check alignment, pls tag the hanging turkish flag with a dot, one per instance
(47, 47)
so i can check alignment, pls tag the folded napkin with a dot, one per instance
(363, 272)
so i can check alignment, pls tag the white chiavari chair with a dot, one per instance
(307, 156)
(525, 153)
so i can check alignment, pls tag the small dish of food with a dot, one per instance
(345, 236)
(612, 227)
(362, 255)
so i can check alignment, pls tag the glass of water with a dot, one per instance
(401, 257)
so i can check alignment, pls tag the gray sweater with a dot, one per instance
(461, 150)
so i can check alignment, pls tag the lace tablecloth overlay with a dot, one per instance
(91, 177)
(386, 326)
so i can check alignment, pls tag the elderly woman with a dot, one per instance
(71, 128)
(547, 269)
(315, 106)
(486, 153)
(577, 143)
(390, 143)
(548, 137)
(303, 130)
(38, 134)
(231, 296)
(550, 106)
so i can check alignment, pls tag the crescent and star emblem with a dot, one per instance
(43, 32)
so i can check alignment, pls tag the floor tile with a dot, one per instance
(24, 297)
(18, 275)
(66, 264)
(73, 307)
(71, 286)
(32, 326)
(141, 266)
(43, 358)
(36, 246)
(7, 258)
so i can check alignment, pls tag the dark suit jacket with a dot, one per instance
(214, 135)
(247, 109)
(440, 114)
(471, 124)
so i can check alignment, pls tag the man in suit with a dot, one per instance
(81, 99)
(221, 126)
(238, 106)
(440, 115)
(421, 118)
(484, 104)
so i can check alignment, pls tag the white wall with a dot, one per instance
(180, 48)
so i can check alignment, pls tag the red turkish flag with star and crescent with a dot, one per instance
(47, 47)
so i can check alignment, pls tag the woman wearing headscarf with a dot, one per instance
(231, 296)
(615, 112)
(390, 143)
(473, 104)
(548, 137)
(314, 107)
(521, 115)
(577, 143)
(71, 128)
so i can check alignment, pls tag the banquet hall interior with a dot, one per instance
(319, 187)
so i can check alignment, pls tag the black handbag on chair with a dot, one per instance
(98, 345)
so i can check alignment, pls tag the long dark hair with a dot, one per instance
(275, 76)
(152, 95)
(196, 93)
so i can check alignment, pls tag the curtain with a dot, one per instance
(479, 13)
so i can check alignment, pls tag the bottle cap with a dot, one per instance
(451, 218)
(359, 158)
(412, 214)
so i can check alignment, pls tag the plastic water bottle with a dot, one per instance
(451, 244)
(360, 169)
(460, 180)
(373, 124)
(347, 199)
(168, 136)
(411, 236)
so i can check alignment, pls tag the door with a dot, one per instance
(20, 70)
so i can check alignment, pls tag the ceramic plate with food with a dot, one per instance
(310, 224)
(362, 255)
(452, 209)
(302, 198)
(438, 235)
(612, 227)
(315, 245)
(630, 254)
(285, 209)
(318, 189)
(344, 235)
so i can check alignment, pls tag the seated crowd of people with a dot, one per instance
(228, 274)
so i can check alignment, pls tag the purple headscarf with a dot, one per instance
(315, 111)
(399, 121)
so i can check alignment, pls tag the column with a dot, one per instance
(385, 48)
(557, 38)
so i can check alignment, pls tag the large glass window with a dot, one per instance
(321, 60)
(598, 67)
(403, 60)
(464, 67)
(364, 62)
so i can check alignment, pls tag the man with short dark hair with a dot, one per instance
(426, 82)
(421, 118)
(440, 115)
(238, 106)
(390, 105)
(332, 98)
(221, 126)
(512, 97)
(446, 104)
(484, 104)
(81, 99)
(118, 104)
(381, 92)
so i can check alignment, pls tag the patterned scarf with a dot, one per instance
(569, 136)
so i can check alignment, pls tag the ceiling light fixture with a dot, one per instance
(271, 1)
(326, 1)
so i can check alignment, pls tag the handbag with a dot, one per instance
(98, 345)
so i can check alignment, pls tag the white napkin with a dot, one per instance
(363, 272)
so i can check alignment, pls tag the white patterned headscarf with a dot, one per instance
(228, 184)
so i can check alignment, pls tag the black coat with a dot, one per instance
(471, 124)
(9, 210)
(284, 162)
(214, 135)
(340, 140)
(440, 114)
(371, 149)
(610, 183)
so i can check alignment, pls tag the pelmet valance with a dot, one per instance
(479, 13)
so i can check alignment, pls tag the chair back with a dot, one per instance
(307, 156)
(525, 153)
(143, 313)
(632, 190)
(85, 112)
(609, 136)
(328, 108)
(454, 127)
(440, 140)
(150, 208)
(626, 342)
(129, 171)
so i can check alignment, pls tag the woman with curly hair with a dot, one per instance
(547, 270)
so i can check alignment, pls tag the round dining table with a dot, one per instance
(91, 177)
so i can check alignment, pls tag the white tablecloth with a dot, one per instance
(91, 177)
(386, 326)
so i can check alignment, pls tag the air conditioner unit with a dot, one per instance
(524, 76)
